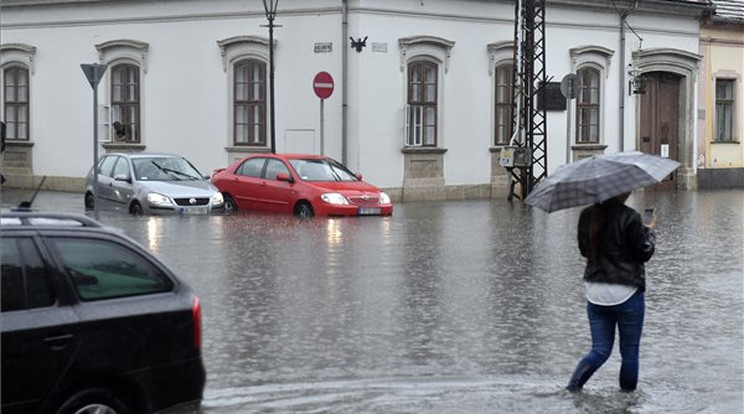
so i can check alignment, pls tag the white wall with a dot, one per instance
(185, 103)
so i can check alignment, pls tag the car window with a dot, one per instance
(251, 167)
(322, 170)
(122, 167)
(107, 166)
(103, 269)
(274, 167)
(165, 169)
(25, 282)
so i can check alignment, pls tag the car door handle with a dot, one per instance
(58, 341)
(264, 183)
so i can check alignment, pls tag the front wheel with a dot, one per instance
(136, 209)
(303, 210)
(89, 201)
(230, 205)
(94, 401)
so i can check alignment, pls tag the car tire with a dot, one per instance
(230, 205)
(89, 201)
(136, 209)
(303, 210)
(94, 401)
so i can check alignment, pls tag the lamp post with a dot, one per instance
(270, 9)
(94, 72)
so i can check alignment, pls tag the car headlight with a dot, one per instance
(158, 199)
(384, 198)
(334, 198)
(217, 199)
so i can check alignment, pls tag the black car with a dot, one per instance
(92, 322)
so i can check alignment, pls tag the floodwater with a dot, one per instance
(448, 307)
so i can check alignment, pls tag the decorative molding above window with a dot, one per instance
(238, 47)
(18, 53)
(132, 50)
(600, 56)
(498, 53)
(425, 45)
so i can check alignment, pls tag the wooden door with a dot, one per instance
(659, 119)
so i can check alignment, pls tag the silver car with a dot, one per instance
(151, 183)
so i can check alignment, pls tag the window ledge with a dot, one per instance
(725, 142)
(247, 149)
(589, 147)
(423, 150)
(121, 146)
(19, 143)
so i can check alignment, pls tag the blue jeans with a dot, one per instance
(628, 317)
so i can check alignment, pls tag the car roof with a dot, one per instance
(146, 154)
(22, 219)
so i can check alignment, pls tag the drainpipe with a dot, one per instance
(621, 97)
(344, 80)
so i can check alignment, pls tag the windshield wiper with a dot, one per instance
(172, 171)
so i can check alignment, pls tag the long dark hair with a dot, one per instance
(597, 217)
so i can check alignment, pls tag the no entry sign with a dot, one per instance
(323, 85)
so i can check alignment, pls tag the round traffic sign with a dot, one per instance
(323, 85)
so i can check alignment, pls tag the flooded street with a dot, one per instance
(448, 307)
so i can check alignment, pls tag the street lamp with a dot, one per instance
(270, 8)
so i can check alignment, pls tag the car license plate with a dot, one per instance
(193, 210)
(368, 211)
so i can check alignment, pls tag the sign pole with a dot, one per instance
(94, 72)
(323, 87)
(322, 128)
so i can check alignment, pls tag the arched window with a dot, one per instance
(588, 106)
(504, 103)
(125, 102)
(421, 116)
(249, 83)
(16, 102)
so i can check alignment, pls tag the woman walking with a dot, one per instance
(616, 244)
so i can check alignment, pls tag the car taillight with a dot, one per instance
(197, 316)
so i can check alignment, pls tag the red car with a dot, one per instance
(304, 185)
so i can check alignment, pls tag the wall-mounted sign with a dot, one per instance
(379, 47)
(324, 47)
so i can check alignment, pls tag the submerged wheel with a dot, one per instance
(94, 401)
(89, 200)
(230, 206)
(136, 209)
(303, 209)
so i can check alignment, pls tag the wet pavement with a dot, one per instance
(448, 307)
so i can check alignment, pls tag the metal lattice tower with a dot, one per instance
(529, 122)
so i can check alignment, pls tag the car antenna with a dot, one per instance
(27, 204)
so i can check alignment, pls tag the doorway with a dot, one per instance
(660, 120)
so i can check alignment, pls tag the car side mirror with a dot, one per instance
(123, 177)
(284, 177)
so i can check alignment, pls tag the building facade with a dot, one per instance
(721, 128)
(422, 94)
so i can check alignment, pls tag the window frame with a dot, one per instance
(730, 104)
(12, 127)
(501, 106)
(419, 105)
(260, 104)
(587, 108)
(126, 102)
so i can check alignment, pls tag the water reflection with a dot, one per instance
(456, 307)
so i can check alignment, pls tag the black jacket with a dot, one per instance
(624, 244)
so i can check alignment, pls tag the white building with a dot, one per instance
(415, 110)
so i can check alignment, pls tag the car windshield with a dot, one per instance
(164, 169)
(322, 170)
